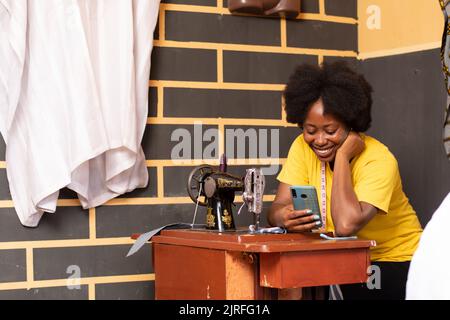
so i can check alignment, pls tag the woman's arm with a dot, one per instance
(349, 215)
(282, 213)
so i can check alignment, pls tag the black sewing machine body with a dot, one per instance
(218, 189)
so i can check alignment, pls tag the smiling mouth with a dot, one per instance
(324, 153)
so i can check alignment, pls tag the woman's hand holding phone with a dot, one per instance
(299, 220)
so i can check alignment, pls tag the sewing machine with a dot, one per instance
(218, 188)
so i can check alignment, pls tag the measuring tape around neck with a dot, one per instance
(323, 194)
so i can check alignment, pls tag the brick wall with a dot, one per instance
(227, 72)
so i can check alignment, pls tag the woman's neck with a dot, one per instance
(331, 164)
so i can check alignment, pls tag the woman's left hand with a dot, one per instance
(352, 146)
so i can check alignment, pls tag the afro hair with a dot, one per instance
(345, 94)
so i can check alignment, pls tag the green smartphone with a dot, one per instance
(305, 197)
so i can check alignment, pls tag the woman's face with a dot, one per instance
(323, 133)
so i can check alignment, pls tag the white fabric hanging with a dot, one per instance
(73, 99)
(429, 272)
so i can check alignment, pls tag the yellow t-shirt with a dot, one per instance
(376, 180)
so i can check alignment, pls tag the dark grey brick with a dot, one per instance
(352, 62)
(4, 186)
(149, 191)
(123, 221)
(156, 32)
(306, 6)
(152, 102)
(245, 218)
(322, 35)
(309, 6)
(211, 103)
(345, 8)
(256, 67)
(175, 181)
(405, 87)
(157, 142)
(66, 193)
(93, 261)
(206, 27)
(56, 293)
(245, 133)
(65, 223)
(210, 3)
(13, 266)
(184, 64)
(271, 183)
(173, 175)
(2, 148)
(126, 291)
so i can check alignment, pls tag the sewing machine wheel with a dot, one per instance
(195, 180)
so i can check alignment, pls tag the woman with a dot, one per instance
(356, 177)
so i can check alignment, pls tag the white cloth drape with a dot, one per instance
(429, 272)
(73, 99)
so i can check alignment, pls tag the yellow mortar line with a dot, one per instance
(66, 243)
(320, 59)
(160, 179)
(83, 281)
(326, 18)
(283, 29)
(6, 204)
(162, 23)
(196, 162)
(155, 201)
(252, 48)
(2, 164)
(160, 105)
(221, 128)
(322, 7)
(92, 224)
(68, 203)
(193, 8)
(222, 121)
(91, 291)
(146, 201)
(215, 85)
(29, 265)
(220, 4)
(219, 65)
(151, 201)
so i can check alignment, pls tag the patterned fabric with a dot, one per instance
(445, 56)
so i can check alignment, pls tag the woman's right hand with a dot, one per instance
(297, 220)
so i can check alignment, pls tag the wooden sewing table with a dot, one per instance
(201, 264)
